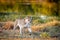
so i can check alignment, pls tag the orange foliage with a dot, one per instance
(42, 26)
(8, 25)
(12, 2)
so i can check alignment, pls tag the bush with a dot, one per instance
(44, 35)
(52, 31)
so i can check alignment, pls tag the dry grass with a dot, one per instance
(30, 39)
(42, 26)
(34, 28)
(8, 25)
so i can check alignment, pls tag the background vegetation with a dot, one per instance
(12, 9)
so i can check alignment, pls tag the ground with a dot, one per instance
(14, 35)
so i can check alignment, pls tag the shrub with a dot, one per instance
(53, 31)
(44, 35)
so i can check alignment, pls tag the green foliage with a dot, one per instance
(25, 9)
(45, 7)
(44, 35)
(30, 9)
(52, 31)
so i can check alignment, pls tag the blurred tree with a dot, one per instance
(31, 7)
